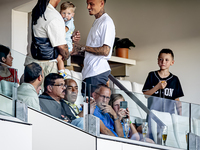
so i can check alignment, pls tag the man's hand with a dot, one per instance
(77, 49)
(65, 118)
(76, 36)
(108, 109)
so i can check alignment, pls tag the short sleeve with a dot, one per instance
(56, 32)
(147, 85)
(179, 91)
(108, 33)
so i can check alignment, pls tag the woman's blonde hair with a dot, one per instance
(115, 97)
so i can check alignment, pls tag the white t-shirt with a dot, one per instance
(53, 27)
(102, 32)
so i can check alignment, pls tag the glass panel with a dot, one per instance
(8, 85)
(150, 118)
(195, 119)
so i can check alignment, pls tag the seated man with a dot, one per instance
(28, 91)
(109, 121)
(71, 93)
(51, 101)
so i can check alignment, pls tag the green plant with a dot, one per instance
(123, 43)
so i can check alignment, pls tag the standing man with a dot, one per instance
(99, 45)
(28, 91)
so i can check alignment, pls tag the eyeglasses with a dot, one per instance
(104, 97)
(61, 85)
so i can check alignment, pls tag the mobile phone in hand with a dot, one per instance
(123, 104)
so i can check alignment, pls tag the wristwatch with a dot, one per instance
(82, 48)
(116, 118)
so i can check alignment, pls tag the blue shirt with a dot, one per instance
(106, 119)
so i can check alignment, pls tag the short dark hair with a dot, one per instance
(32, 72)
(166, 51)
(4, 51)
(50, 80)
(100, 86)
(104, 1)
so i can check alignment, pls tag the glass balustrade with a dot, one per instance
(151, 119)
(8, 86)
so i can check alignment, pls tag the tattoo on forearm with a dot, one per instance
(104, 50)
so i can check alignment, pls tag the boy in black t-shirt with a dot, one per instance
(163, 84)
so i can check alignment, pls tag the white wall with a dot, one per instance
(6, 21)
(50, 134)
(15, 136)
(19, 31)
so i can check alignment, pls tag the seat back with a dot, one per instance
(196, 126)
(7, 87)
(181, 125)
(135, 113)
(137, 90)
(166, 118)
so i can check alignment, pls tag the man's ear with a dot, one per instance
(49, 88)
(3, 59)
(40, 78)
(102, 3)
(94, 95)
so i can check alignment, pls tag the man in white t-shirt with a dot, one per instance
(99, 45)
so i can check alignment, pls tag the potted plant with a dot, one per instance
(122, 46)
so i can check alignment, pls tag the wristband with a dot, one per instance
(82, 48)
(116, 118)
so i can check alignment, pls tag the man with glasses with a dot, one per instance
(109, 121)
(51, 101)
(29, 90)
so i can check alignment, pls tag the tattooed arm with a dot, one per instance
(103, 50)
(63, 50)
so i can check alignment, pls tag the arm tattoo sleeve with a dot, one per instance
(104, 50)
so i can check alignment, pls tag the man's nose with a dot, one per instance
(104, 99)
(88, 6)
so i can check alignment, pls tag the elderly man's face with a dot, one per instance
(58, 89)
(102, 96)
(71, 91)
